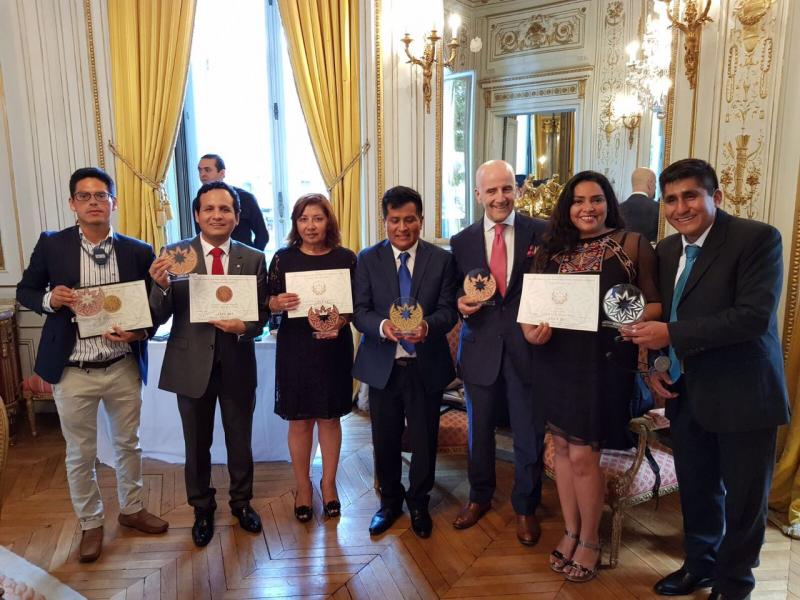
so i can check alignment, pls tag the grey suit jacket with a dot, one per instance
(189, 356)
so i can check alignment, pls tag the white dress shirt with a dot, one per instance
(508, 237)
(207, 248)
(400, 352)
(699, 243)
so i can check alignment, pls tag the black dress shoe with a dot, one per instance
(383, 519)
(421, 522)
(203, 528)
(248, 518)
(681, 583)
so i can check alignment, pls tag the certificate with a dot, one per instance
(99, 308)
(217, 297)
(562, 301)
(329, 287)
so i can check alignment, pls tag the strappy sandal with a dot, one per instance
(559, 562)
(580, 574)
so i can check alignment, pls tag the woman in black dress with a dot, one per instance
(585, 379)
(313, 384)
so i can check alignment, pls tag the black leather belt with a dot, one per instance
(405, 362)
(100, 364)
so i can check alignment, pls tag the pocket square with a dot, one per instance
(531, 251)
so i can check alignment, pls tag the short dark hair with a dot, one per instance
(398, 196)
(216, 185)
(687, 168)
(333, 237)
(217, 160)
(93, 173)
(563, 236)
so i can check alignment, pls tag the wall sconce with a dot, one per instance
(429, 57)
(628, 112)
(692, 27)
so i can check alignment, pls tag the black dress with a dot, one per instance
(312, 376)
(584, 379)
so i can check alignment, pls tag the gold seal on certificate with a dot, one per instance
(405, 314)
(324, 320)
(480, 286)
(112, 303)
(182, 259)
(89, 302)
(224, 293)
(623, 304)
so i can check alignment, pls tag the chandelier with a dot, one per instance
(649, 62)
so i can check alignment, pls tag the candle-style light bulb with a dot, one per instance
(455, 23)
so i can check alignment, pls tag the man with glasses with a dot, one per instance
(110, 368)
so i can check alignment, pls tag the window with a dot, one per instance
(456, 154)
(242, 104)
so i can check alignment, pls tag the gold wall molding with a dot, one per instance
(380, 183)
(793, 278)
(535, 33)
(534, 75)
(12, 183)
(500, 96)
(747, 101)
(669, 119)
(98, 124)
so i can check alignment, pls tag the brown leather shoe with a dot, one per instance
(91, 544)
(528, 530)
(470, 514)
(144, 522)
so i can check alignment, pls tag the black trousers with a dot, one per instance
(527, 425)
(724, 481)
(404, 403)
(197, 416)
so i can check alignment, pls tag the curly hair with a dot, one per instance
(562, 235)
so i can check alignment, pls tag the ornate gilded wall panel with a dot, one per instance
(749, 97)
(609, 140)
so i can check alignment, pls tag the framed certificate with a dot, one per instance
(217, 297)
(328, 287)
(562, 301)
(99, 308)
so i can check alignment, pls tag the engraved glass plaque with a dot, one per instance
(183, 260)
(480, 286)
(324, 320)
(623, 304)
(405, 314)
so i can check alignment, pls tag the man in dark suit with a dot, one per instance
(83, 372)
(720, 278)
(206, 361)
(251, 229)
(406, 374)
(494, 358)
(640, 211)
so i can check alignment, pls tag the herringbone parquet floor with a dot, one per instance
(331, 559)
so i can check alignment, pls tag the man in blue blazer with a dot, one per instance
(110, 368)
(406, 374)
(494, 358)
(720, 278)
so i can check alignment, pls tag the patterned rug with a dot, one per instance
(23, 580)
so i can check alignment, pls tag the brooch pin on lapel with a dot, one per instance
(531, 251)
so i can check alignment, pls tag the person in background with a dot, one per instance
(640, 211)
(251, 228)
(313, 385)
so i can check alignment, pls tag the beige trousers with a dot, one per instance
(77, 397)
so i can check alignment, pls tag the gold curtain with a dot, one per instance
(323, 44)
(540, 141)
(150, 45)
(566, 150)
(784, 497)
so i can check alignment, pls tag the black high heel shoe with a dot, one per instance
(332, 509)
(302, 513)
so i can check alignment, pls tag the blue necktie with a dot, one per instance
(404, 278)
(691, 255)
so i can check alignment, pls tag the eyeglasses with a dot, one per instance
(86, 196)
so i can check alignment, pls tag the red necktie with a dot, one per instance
(497, 263)
(216, 264)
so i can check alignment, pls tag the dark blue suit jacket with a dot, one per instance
(433, 284)
(726, 333)
(493, 330)
(56, 261)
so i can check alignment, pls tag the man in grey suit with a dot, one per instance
(640, 211)
(206, 361)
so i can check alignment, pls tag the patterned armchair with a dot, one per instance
(35, 389)
(630, 478)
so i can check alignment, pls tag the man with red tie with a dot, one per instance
(209, 361)
(493, 356)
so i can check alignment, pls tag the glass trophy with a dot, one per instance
(624, 305)
(90, 301)
(480, 287)
(324, 320)
(183, 260)
(406, 315)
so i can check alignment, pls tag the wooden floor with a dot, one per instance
(333, 559)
